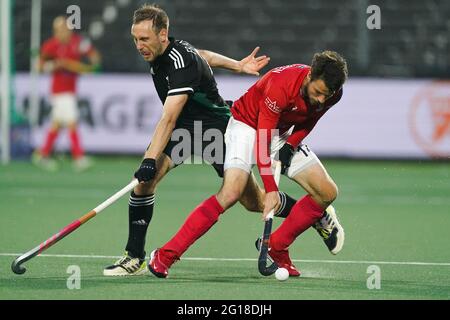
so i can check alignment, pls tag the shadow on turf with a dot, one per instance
(241, 276)
(333, 288)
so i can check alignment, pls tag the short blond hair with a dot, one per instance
(152, 12)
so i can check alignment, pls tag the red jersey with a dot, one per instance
(75, 49)
(276, 102)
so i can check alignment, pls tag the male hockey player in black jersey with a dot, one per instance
(185, 84)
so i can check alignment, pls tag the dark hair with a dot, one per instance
(330, 67)
(153, 13)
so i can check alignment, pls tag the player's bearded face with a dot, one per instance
(316, 92)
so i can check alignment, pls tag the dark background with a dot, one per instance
(413, 40)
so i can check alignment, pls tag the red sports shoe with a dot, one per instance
(281, 258)
(159, 265)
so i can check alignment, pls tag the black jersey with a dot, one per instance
(181, 70)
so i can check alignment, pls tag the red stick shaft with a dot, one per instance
(65, 231)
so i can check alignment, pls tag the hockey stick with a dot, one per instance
(17, 267)
(264, 247)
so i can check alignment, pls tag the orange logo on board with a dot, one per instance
(430, 119)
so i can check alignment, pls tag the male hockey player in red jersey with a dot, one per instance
(62, 55)
(290, 99)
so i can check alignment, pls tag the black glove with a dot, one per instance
(285, 156)
(146, 171)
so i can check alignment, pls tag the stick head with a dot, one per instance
(17, 268)
(263, 245)
(266, 270)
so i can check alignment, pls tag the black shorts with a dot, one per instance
(175, 151)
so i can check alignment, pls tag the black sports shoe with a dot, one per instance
(331, 231)
(126, 266)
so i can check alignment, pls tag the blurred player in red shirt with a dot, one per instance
(273, 117)
(63, 55)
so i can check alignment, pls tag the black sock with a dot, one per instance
(140, 212)
(286, 205)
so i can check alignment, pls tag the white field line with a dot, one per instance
(98, 193)
(409, 263)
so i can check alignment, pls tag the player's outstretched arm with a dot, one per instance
(248, 65)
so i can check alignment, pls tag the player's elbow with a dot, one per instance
(95, 57)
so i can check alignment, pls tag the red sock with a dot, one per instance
(197, 223)
(77, 151)
(302, 216)
(49, 142)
